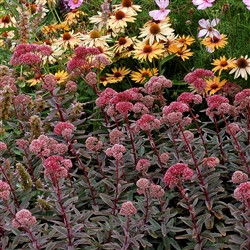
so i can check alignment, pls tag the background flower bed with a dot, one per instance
(87, 166)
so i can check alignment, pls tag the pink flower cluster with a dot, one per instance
(128, 208)
(156, 191)
(239, 177)
(124, 107)
(4, 190)
(164, 157)
(242, 192)
(3, 146)
(233, 128)
(92, 143)
(116, 151)
(91, 79)
(56, 166)
(115, 136)
(176, 174)
(189, 98)
(105, 97)
(197, 79)
(64, 128)
(81, 62)
(215, 101)
(8, 81)
(173, 113)
(29, 54)
(140, 109)
(49, 82)
(23, 144)
(187, 136)
(210, 162)
(142, 165)
(148, 122)
(71, 86)
(44, 146)
(143, 185)
(157, 84)
(242, 101)
(22, 100)
(24, 219)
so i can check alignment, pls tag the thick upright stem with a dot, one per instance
(155, 150)
(117, 177)
(11, 188)
(131, 139)
(192, 213)
(197, 168)
(65, 220)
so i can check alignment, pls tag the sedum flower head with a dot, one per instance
(176, 174)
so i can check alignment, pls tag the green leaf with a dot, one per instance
(107, 199)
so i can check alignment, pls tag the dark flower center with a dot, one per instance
(103, 78)
(94, 34)
(215, 39)
(145, 74)
(117, 74)
(5, 19)
(126, 3)
(242, 63)
(147, 49)
(214, 86)
(154, 29)
(223, 63)
(119, 15)
(122, 41)
(66, 36)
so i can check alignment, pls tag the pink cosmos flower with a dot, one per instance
(207, 28)
(73, 4)
(203, 4)
(247, 3)
(162, 12)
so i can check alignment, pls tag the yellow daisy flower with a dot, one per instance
(68, 40)
(35, 80)
(61, 76)
(63, 26)
(183, 52)
(223, 64)
(213, 43)
(214, 85)
(185, 40)
(156, 32)
(171, 41)
(144, 51)
(47, 30)
(105, 80)
(242, 67)
(118, 74)
(143, 74)
(74, 16)
(119, 19)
